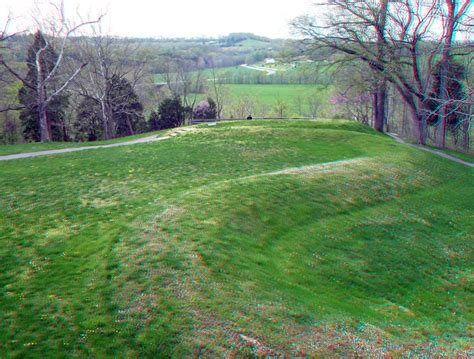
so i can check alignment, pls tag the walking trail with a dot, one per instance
(438, 153)
(184, 130)
(76, 149)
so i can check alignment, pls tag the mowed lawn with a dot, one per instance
(245, 238)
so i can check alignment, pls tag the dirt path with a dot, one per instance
(438, 153)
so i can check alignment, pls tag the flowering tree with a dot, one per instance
(206, 109)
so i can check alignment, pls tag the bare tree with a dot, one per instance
(107, 59)
(314, 104)
(4, 34)
(9, 128)
(5, 76)
(350, 27)
(452, 13)
(403, 52)
(57, 31)
(185, 79)
(219, 90)
(243, 107)
(280, 107)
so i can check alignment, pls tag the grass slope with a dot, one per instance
(246, 238)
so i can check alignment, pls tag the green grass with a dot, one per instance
(228, 73)
(286, 73)
(179, 247)
(262, 100)
(37, 146)
(268, 95)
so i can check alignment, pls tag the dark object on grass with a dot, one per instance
(249, 117)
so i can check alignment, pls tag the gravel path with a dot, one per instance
(156, 138)
(76, 149)
(439, 153)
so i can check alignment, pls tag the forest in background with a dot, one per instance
(115, 87)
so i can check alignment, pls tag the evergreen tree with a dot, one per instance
(171, 113)
(126, 112)
(126, 107)
(28, 95)
(154, 121)
(88, 124)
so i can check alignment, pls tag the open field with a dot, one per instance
(285, 73)
(226, 72)
(265, 99)
(254, 237)
(268, 94)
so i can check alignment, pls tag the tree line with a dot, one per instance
(393, 64)
(406, 46)
(69, 81)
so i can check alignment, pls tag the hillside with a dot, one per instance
(254, 237)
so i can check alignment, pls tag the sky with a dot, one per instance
(176, 18)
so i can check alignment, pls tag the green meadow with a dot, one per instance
(252, 238)
(263, 100)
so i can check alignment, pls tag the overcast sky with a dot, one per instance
(180, 18)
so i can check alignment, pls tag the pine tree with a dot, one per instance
(88, 124)
(154, 121)
(171, 113)
(126, 107)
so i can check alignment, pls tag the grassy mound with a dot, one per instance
(247, 238)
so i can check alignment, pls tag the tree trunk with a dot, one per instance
(105, 121)
(129, 125)
(420, 126)
(381, 87)
(45, 128)
(44, 123)
(444, 98)
(466, 129)
(380, 97)
(444, 84)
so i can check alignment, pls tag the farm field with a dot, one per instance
(264, 100)
(245, 238)
(285, 73)
(226, 72)
(266, 97)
